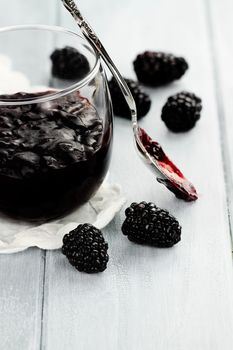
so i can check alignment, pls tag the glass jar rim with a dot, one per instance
(63, 92)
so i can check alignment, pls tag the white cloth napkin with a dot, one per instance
(18, 235)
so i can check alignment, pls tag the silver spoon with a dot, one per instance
(150, 151)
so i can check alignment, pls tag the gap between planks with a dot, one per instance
(44, 254)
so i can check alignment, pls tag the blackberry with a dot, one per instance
(145, 223)
(181, 111)
(68, 63)
(86, 249)
(159, 68)
(120, 106)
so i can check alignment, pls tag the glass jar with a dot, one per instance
(55, 129)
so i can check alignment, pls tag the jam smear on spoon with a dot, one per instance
(174, 180)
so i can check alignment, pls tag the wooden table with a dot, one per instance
(148, 298)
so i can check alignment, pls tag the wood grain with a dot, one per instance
(172, 299)
(220, 25)
(21, 292)
(22, 275)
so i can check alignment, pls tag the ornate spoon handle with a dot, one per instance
(92, 38)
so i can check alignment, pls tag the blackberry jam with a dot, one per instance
(53, 155)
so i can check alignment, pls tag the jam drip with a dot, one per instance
(174, 180)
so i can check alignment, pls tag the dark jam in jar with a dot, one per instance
(53, 155)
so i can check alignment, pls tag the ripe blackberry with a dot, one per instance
(69, 63)
(147, 224)
(159, 68)
(120, 106)
(86, 249)
(181, 111)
